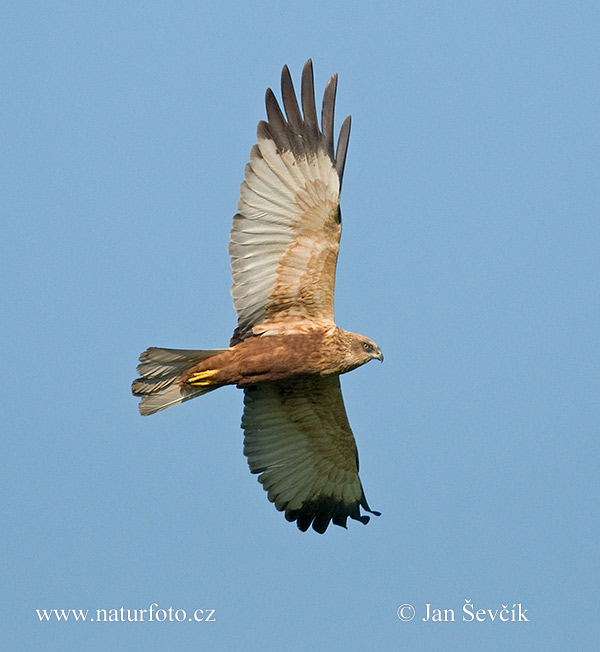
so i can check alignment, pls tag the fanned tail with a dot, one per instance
(160, 371)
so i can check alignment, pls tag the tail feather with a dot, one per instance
(159, 370)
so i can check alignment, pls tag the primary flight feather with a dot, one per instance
(286, 351)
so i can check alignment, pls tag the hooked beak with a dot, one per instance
(378, 355)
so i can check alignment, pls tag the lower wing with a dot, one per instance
(297, 437)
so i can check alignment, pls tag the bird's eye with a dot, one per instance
(367, 346)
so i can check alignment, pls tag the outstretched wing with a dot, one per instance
(285, 238)
(298, 438)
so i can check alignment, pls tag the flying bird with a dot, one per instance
(286, 352)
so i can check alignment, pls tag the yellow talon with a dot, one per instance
(200, 377)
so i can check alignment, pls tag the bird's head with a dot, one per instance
(361, 350)
(370, 350)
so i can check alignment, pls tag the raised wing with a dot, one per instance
(285, 238)
(298, 438)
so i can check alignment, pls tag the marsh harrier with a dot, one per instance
(286, 353)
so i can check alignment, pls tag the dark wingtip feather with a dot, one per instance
(319, 512)
(277, 122)
(327, 113)
(308, 101)
(299, 131)
(342, 148)
(365, 505)
(263, 131)
(290, 103)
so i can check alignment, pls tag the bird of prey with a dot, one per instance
(286, 352)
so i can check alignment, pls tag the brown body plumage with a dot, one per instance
(286, 351)
(271, 358)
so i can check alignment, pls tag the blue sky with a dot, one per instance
(469, 254)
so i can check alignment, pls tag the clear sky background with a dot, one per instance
(469, 254)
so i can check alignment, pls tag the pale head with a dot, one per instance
(359, 350)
